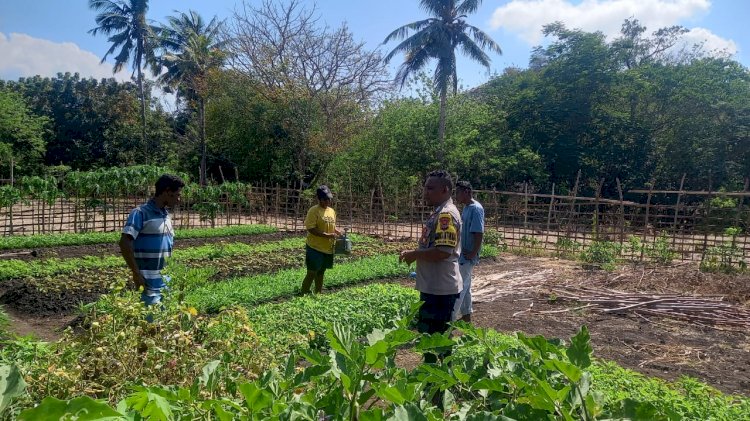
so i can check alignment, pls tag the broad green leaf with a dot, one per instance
(448, 399)
(365, 396)
(540, 344)
(256, 398)
(399, 337)
(579, 351)
(389, 393)
(221, 413)
(487, 416)
(494, 385)
(408, 412)
(372, 415)
(12, 385)
(151, 405)
(313, 356)
(375, 351)
(459, 374)
(342, 370)
(208, 371)
(570, 371)
(376, 336)
(80, 409)
(437, 374)
(434, 341)
(637, 411)
(341, 338)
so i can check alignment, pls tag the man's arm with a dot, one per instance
(432, 254)
(126, 248)
(318, 233)
(478, 236)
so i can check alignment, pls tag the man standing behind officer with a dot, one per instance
(438, 278)
(472, 232)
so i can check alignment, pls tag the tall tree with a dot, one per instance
(437, 37)
(192, 50)
(21, 133)
(124, 21)
(321, 81)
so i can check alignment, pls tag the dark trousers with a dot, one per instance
(434, 317)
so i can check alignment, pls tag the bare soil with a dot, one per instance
(512, 293)
(27, 301)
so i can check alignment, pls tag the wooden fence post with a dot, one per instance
(677, 211)
(525, 204)
(549, 215)
(708, 217)
(645, 222)
(622, 212)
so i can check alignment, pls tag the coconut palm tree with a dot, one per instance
(437, 37)
(192, 50)
(124, 21)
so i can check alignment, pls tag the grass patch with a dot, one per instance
(15, 268)
(305, 320)
(79, 239)
(257, 289)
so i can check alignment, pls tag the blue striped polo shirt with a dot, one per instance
(151, 229)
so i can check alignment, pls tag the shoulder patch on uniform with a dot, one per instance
(445, 231)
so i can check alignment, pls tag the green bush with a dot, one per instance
(727, 257)
(602, 253)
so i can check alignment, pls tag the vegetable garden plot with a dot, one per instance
(162, 357)
(58, 286)
(113, 348)
(76, 239)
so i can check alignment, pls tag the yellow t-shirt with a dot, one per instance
(325, 221)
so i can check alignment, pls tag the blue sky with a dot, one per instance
(49, 36)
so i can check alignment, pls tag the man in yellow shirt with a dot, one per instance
(321, 238)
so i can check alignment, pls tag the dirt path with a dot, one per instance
(513, 292)
(43, 328)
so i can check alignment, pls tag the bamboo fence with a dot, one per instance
(525, 220)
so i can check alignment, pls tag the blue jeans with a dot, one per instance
(463, 304)
(154, 290)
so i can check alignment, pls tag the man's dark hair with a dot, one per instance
(324, 193)
(444, 176)
(168, 182)
(463, 185)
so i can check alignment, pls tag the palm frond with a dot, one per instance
(437, 8)
(412, 64)
(124, 55)
(403, 31)
(420, 40)
(472, 50)
(484, 40)
(468, 7)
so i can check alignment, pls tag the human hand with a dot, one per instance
(138, 281)
(338, 232)
(407, 256)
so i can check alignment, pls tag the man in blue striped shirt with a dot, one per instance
(147, 238)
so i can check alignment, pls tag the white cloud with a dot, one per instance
(711, 41)
(22, 55)
(526, 17)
